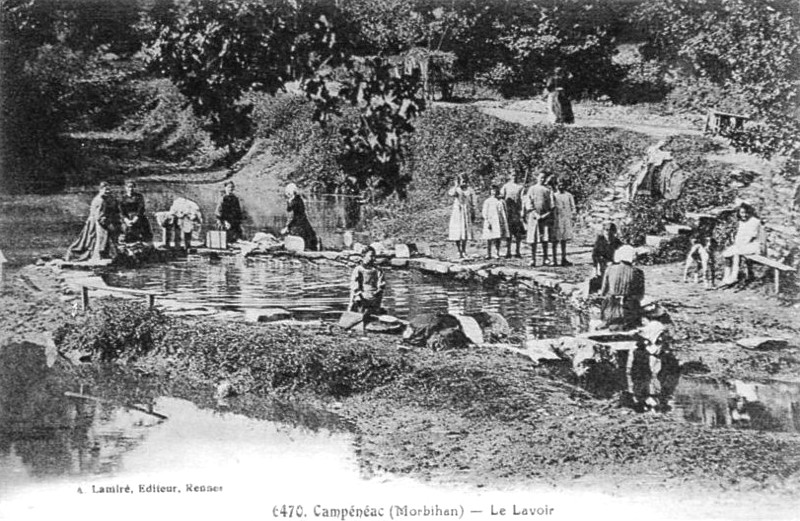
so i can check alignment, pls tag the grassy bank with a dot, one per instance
(478, 415)
(448, 141)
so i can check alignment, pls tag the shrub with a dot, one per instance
(114, 330)
(645, 217)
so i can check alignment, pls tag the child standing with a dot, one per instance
(564, 213)
(460, 230)
(511, 193)
(495, 222)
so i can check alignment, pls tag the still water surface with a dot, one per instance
(321, 290)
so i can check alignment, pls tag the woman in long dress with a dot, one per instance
(229, 214)
(495, 222)
(564, 213)
(135, 225)
(98, 238)
(512, 193)
(623, 289)
(559, 106)
(298, 223)
(460, 229)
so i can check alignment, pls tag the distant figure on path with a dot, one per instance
(367, 283)
(512, 193)
(604, 248)
(495, 222)
(229, 214)
(538, 207)
(564, 213)
(747, 242)
(559, 107)
(623, 289)
(135, 225)
(298, 223)
(98, 239)
(462, 215)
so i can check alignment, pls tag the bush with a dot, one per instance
(645, 217)
(115, 330)
(707, 185)
(447, 142)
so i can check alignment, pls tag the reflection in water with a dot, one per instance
(46, 436)
(321, 290)
(773, 406)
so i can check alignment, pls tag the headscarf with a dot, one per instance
(291, 190)
(625, 253)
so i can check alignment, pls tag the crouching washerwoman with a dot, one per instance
(367, 283)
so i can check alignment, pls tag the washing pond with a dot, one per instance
(321, 290)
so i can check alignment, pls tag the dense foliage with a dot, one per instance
(746, 53)
(60, 65)
(708, 185)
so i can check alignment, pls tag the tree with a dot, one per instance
(48, 49)
(751, 50)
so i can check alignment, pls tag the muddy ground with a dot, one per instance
(479, 416)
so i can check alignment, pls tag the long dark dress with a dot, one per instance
(298, 223)
(229, 211)
(98, 238)
(558, 103)
(132, 207)
(623, 288)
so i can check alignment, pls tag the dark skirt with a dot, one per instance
(515, 227)
(621, 312)
(302, 228)
(560, 107)
(138, 231)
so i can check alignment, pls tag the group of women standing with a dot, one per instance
(114, 220)
(540, 215)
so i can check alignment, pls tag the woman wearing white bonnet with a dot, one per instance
(298, 223)
(623, 289)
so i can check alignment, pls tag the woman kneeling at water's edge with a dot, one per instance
(298, 224)
(367, 283)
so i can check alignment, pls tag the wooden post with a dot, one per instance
(151, 300)
(777, 273)
(85, 298)
(3, 261)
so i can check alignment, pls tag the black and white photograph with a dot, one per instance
(399, 259)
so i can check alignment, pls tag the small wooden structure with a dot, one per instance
(87, 285)
(718, 121)
(776, 266)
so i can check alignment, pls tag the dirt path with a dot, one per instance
(533, 111)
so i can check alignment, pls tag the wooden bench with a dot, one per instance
(86, 286)
(717, 121)
(776, 266)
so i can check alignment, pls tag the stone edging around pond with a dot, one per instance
(442, 267)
